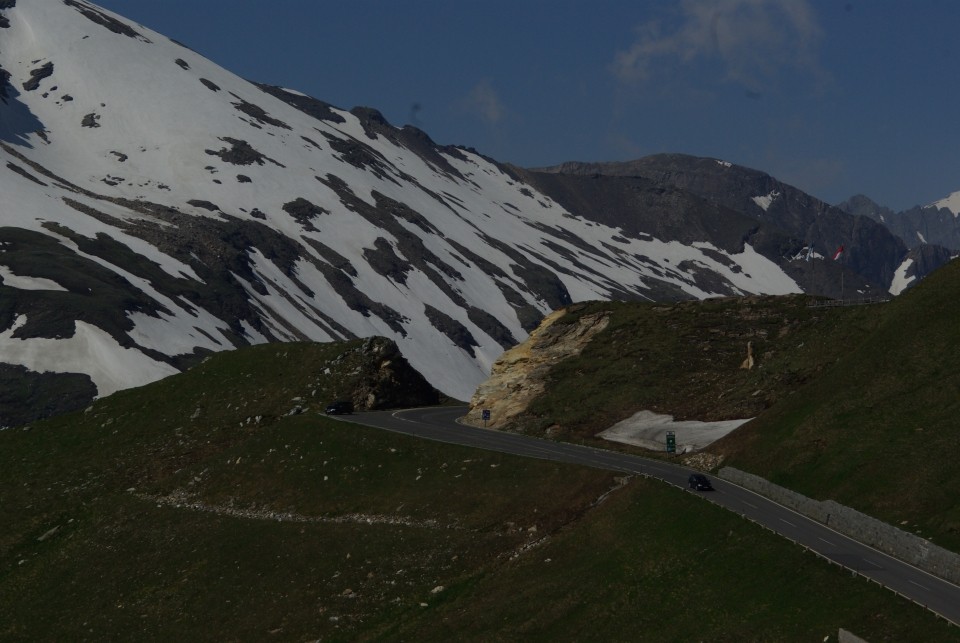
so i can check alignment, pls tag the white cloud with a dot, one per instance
(753, 40)
(484, 101)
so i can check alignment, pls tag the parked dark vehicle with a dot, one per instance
(340, 407)
(699, 482)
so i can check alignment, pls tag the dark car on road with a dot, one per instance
(699, 482)
(340, 407)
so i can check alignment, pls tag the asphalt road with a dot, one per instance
(440, 424)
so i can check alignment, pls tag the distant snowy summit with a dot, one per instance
(951, 203)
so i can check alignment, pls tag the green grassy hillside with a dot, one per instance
(199, 508)
(880, 430)
(684, 359)
(857, 404)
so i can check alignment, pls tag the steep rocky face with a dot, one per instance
(519, 375)
(784, 220)
(917, 226)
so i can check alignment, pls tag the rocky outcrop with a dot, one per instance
(387, 381)
(519, 375)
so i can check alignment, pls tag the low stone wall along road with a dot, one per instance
(440, 424)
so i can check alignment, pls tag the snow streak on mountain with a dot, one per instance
(156, 207)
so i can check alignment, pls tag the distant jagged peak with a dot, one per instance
(862, 205)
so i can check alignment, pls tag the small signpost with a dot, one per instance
(671, 442)
(485, 414)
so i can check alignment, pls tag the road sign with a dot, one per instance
(485, 414)
(671, 442)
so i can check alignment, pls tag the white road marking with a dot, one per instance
(921, 586)
(788, 522)
(826, 541)
(750, 504)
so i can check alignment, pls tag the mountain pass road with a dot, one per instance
(440, 424)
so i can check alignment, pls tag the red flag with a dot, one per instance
(838, 253)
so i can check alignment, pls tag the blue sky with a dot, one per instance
(835, 97)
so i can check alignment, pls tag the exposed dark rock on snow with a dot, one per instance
(360, 155)
(312, 142)
(37, 75)
(304, 212)
(491, 326)
(4, 84)
(183, 63)
(538, 279)
(53, 314)
(528, 315)
(385, 261)
(91, 120)
(241, 153)
(306, 104)
(335, 259)
(206, 205)
(416, 140)
(257, 113)
(4, 21)
(22, 172)
(97, 16)
(209, 84)
(457, 332)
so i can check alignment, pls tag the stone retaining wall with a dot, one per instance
(898, 543)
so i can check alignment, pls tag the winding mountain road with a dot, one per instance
(440, 424)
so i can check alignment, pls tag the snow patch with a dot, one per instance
(900, 279)
(765, 201)
(649, 430)
(724, 163)
(90, 351)
(27, 283)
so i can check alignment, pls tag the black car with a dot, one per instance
(699, 482)
(340, 407)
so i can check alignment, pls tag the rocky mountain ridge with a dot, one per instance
(781, 220)
(920, 226)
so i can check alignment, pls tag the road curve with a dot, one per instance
(440, 424)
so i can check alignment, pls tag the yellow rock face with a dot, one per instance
(517, 377)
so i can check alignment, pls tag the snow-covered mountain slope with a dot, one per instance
(951, 202)
(156, 207)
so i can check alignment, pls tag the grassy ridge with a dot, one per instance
(171, 512)
(684, 360)
(856, 404)
(879, 430)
